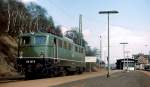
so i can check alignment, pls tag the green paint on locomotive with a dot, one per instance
(47, 45)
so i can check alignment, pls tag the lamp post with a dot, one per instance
(124, 53)
(100, 56)
(108, 13)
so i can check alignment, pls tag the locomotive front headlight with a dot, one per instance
(32, 61)
(27, 61)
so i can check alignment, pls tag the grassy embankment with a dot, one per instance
(8, 53)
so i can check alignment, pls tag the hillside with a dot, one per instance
(8, 53)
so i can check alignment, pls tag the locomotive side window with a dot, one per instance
(69, 46)
(65, 44)
(81, 50)
(55, 42)
(76, 48)
(26, 40)
(40, 39)
(60, 43)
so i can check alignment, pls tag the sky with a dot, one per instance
(131, 24)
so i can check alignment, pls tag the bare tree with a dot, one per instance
(8, 17)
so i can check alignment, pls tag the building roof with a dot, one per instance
(126, 59)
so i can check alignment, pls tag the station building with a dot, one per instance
(125, 64)
(141, 60)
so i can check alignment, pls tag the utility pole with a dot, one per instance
(100, 55)
(124, 53)
(127, 52)
(80, 28)
(8, 26)
(108, 13)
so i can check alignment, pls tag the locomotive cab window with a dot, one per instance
(40, 40)
(26, 40)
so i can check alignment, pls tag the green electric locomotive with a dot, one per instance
(43, 54)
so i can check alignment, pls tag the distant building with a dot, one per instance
(141, 60)
(125, 64)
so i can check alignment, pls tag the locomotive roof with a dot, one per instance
(33, 34)
(49, 34)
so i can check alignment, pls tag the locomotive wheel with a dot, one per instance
(29, 76)
(80, 71)
(51, 75)
(64, 73)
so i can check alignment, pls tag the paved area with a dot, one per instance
(123, 79)
(146, 72)
(54, 81)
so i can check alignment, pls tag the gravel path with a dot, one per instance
(124, 79)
